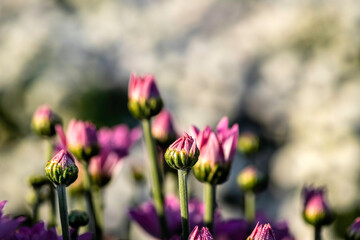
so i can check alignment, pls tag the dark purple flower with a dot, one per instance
(262, 232)
(216, 152)
(354, 230)
(231, 229)
(200, 234)
(7, 224)
(316, 210)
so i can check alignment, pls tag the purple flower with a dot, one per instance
(183, 153)
(61, 169)
(354, 230)
(144, 96)
(217, 151)
(82, 139)
(203, 234)
(262, 232)
(114, 146)
(7, 224)
(316, 210)
(163, 129)
(231, 229)
(44, 121)
(280, 229)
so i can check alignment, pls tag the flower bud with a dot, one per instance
(163, 129)
(248, 143)
(78, 218)
(37, 181)
(262, 232)
(44, 121)
(183, 153)
(250, 179)
(216, 152)
(354, 230)
(203, 234)
(144, 97)
(316, 211)
(82, 139)
(61, 169)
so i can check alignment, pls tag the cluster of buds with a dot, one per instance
(250, 179)
(144, 97)
(316, 210)
(216, 152)
(262, 232)
(82, 139)
(44, 121)
(61, 169)
(183, 153)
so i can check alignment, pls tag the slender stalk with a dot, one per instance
(156, 177)
(75, 234)
(36, 207)
(48, 155)
(182, 175)
(93, 221)
(61, 190)
(317, 232)
(250, 206)
(210, 204)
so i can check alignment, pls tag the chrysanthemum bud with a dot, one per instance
(144, 97)
(250, 179)
(248, 143)
(163, 129)
(78, 218)
(203, 234)
(354, 230)
(44, 121)
(262, 232)
(316, 211)
(183, 153)
(61, 169)
(37, 181)
(217, 152)
(82, 139)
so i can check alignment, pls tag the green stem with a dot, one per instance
(317, 232)
(210, 204)
(52, 215)
(156, 177)
(61, 190)
(182, 175)
(36, 207)
(249, 206)
(94, 224)
(75, 234)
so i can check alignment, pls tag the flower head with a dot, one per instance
(78, 219)
(163, 129)
(61, 169)
(44, 121)
(8, 225)
(183, 153)
(354, 230)
(114, 146)
(262, 232)
(82, 139)
(316, 210)
(200, 234)
(144, 97)
(250, 179)
(217, 150)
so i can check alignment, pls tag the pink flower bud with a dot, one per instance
(163, 129)
(354, 230)
(203, 234)
(262, 232)
(44, 121)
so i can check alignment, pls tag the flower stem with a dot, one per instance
(94, 224)
(210, 203)
(36, 207)
(61, 190)
(317, 232)
(182, 175)
(249, 206)
(48, 155)
(156, 177)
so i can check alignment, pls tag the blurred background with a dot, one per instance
(288, 70)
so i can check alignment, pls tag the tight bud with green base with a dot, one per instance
(248, 143)
(144, 97)
(61, 169)
(183, 153)
(82, 139)
(44, 121)
(78, 218)
(316, 210)
(217, 152)
(37, 181)
(250, 179)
